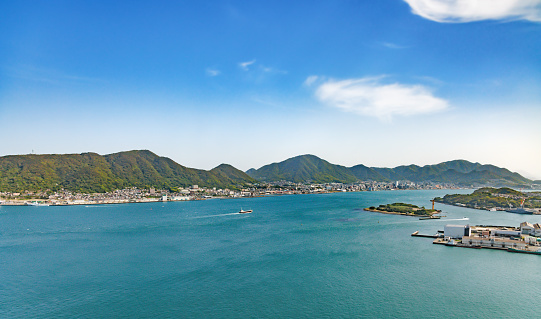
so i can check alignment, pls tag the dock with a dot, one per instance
(416, 234)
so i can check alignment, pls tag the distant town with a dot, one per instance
(194, 192)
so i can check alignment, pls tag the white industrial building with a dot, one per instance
(505, 232)
(456, 231)
(497, 242)
(527, 228)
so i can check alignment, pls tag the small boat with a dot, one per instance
(245, 211)
(36, 204)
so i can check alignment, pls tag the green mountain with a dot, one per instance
(310, 168)
(304, 168)
(232, 175)
(91, 172)
(365, 173)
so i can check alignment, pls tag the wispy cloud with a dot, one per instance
(393, 45)
(267, 69)
(429, 79)
(51, 76)
(370, 97)
(310, 80)
(245, 65)
(213, 72)
(476, 10)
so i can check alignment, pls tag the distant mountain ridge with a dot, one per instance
(310, 168)
(91, 172)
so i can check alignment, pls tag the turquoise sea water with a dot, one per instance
(299, 256)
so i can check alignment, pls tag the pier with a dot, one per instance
(416, 234)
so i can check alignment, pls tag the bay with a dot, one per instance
(298, 256)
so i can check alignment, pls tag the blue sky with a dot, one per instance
(382, 83)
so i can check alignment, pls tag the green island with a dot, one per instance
(403, 209)
(493, 199)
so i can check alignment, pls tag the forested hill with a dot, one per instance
(91, 172)
(310, 168)
(304, 168)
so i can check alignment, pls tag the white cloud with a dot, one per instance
(213, 72)
(245, 65)
(310, 80)
(368, 96)
(476, 10)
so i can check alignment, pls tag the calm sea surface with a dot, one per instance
(299, 256)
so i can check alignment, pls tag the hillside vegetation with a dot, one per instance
(403, 209)
(487, 198)
(310, 168)
(91, 172)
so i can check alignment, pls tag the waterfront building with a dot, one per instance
(526, 228)
(505, 232)
(495, 242)
(537, 230)
(176, 198)
(456, 231)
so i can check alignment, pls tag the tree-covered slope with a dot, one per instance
(304, 168)
(231, 174)
(489, 197)
(307, 168)
(91, 172)
(365, 173)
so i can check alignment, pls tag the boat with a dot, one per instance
(36, 204)
(429, 217)
(245, 211)
(515, 250)
(521, 209)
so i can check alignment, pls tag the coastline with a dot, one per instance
(24, 202)
(393, 213)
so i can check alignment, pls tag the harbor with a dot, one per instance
(526, 238)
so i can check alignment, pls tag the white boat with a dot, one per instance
(245, 211)
(36, 204)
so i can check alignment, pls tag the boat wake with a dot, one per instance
(464, 218)
(209, 216)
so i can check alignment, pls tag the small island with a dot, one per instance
(496, 199)
(406, 210)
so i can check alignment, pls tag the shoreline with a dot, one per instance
(487, 210)
(394, 213)
(17, 202)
